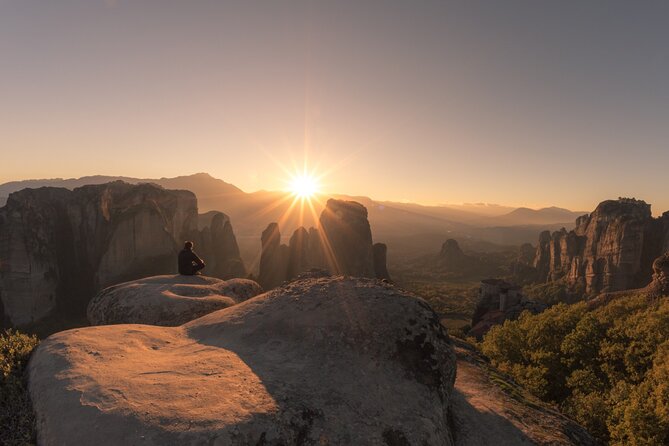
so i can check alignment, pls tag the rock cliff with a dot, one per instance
(216, 243)
(611, 249)
(59, 247)
(342, 245)
(347, 238)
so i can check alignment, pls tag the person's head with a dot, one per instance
(188, 245)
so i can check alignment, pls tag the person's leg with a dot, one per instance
(189, 271)
(197, 268)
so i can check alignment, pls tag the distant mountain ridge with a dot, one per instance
(407, 228)
(527, 216)
(210, 191)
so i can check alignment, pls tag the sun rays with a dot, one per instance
(304, 186)
(299, 204)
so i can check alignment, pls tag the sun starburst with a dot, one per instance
(304, 186)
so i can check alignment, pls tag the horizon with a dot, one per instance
(520, 104)
(503, 208)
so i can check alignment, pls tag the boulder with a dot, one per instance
(167, 300)
(308, 363)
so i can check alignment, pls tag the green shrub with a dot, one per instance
(17, 422)
(607, 368)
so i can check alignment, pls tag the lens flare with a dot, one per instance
(304, 186)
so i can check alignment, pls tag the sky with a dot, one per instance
(523, 103)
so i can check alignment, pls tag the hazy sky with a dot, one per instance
(516, 102)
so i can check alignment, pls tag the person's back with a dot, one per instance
(189, 262)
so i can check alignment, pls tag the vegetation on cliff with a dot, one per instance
(16, 415)
(607, 367)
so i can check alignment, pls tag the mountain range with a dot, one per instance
(408, 228)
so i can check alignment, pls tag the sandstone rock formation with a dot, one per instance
(348, 238)
(167, 300)
(342, 245)
(658, 287)
(452, 258)
(273, 259)
(309, 363)
(609, 250)
(216, 243)
(59, 247)
(380, 261)
(522, 268)
(660, 283)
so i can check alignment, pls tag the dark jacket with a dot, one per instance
(189, 262)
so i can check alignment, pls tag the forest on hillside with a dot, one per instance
(606, 367)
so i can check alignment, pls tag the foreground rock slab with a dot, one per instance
(167, 300)
(320, 361)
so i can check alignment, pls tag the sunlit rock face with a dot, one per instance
(59, 247)
(611, 249)
(168, 300)
(307, 363)
(342, 245)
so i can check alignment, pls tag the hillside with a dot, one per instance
(605, 365)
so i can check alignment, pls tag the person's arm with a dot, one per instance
(198, 261)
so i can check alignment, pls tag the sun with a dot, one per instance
(304, 186)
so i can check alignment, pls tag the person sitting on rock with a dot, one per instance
(189, 263)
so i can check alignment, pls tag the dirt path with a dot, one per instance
(488, 409)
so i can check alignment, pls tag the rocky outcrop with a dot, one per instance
(59, 247)
(342, 245)
(309, 363)
(451, 252)
(348, 238)
(216, 243)
(609, 250)
(659, 286)
(522, 268)
(526, 254)
(167, 300)
(273, 258)
(380, 260)
(451, 258)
